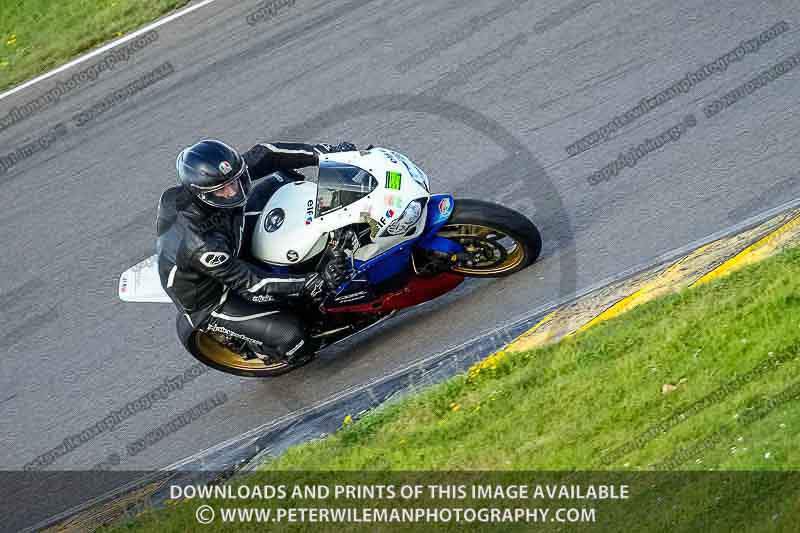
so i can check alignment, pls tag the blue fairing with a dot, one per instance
(396, 261)
(440, 207)
(387, 265)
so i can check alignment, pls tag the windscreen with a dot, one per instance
(339, 185)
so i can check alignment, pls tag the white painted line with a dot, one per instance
(107, 47)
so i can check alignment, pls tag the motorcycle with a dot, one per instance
(407, 246)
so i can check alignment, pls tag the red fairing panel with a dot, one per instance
(417, 290)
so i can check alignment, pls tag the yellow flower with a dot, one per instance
(118, 34)
(348, 420)
(454, 406)
(490, 363)
(12, 41)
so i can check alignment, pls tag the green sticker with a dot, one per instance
(393, 180)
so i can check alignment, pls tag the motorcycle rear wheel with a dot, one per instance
(497, 241)
(209, 351)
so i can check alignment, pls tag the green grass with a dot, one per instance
(38, 35)
(560, 407)
(570, 405)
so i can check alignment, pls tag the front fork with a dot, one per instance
(428, 263)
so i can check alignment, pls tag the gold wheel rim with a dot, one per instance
(474, 236)
(222, 356)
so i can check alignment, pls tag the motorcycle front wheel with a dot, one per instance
(497, 241)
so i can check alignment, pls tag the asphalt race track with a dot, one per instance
(485, 96)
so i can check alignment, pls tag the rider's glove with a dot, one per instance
(335, 271)
(314, 288)
(344, 146)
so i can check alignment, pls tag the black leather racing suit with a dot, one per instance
(198, 260)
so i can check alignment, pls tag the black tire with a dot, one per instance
(514, 225)
(211, 353)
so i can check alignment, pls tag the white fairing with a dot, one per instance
(294, 240)
(141, 283)
(302, 234)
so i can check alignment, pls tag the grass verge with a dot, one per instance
(38, 35)
(583, 401)
(705, 379)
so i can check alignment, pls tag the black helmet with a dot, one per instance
(214, 173)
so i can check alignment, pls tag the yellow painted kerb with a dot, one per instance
(672, 275)
(688, 271)
(753, 253)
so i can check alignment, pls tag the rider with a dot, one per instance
(201, 226)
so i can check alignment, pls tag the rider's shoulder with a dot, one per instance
(198, 228)
(192, 228)
(193, 243)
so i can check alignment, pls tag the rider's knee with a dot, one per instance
(286, 335)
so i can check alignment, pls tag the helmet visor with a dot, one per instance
(232, 193)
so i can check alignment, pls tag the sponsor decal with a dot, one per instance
(309, 212)
(393, 180)
(351, 297)
(382, 221)
(444, 206)
(215, 328)
(292, 256)
(390, 156)
(316, 285)
(274, 219)
(225, 168)
(262, 298)
(393, 201)
(123, 284)
(293, 350)
(214, 259)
